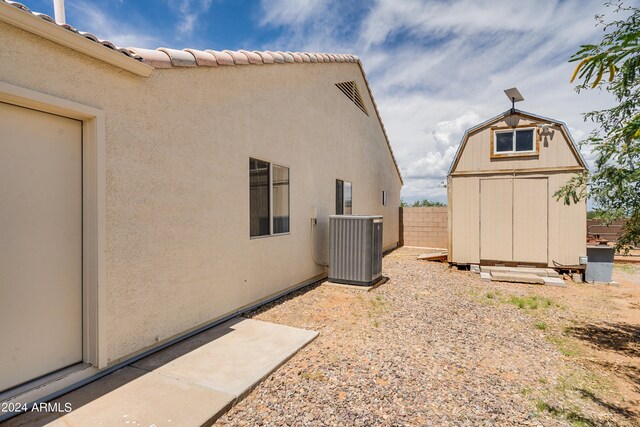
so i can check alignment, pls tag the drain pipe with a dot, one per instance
(314, 222)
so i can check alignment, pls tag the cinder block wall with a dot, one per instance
(426, 227)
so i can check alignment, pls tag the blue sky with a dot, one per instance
(436, 67)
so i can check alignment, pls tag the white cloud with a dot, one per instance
(290, 12)
(437, 68)
(93, 19)
(137, 31)
(188, 12)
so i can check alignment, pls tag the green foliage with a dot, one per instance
(565, 345)
(313, 375)
(627, 268)
(531, 302)
(574, 417)
(426, 204)
(421, 204)
(614, 185)
(541, 325)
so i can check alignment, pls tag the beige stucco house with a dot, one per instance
(501, 186)
(149, 193)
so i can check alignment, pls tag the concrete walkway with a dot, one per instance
(188, 384)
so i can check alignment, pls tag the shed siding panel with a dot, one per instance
(530, 220)
(477, 153)
(567, 225)
(496, 219)
(465, 233)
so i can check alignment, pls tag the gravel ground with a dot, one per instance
(436, 346)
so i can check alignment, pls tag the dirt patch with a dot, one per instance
(435, 346)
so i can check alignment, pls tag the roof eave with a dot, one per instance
(384, 131)
(53, 32)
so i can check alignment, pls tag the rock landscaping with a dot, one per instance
(437, 346)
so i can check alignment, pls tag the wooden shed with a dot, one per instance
(501, 186)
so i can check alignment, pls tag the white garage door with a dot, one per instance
(40, 244)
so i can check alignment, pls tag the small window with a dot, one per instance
(343, 197)
(515, 141)
(268, 198)
(384, 198)
(280, 199)
(259, 178)
(524, 140)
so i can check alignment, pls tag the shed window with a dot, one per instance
(515, 141)
(343, 197)
(384, 198)
(268, 198)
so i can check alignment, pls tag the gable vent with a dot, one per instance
(351, 90)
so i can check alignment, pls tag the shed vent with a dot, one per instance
(351, 90)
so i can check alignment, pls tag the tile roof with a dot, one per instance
(172, 58)
(168, 58)
(105, 43)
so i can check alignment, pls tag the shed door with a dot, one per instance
(40, 244)
(530, 220)
(496, 219)
(513, 220)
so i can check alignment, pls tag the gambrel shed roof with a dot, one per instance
(526, 115)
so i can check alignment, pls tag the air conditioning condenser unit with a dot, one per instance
(355, 249)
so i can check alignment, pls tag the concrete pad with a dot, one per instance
(190, 383)
(542, 272)
(474, 268)
(612, 283)
(554, 281)
(241, 355)
(497, 276)
(552, 273)
(490, 268)
(485, 276)
(377, 284)
(136, 397)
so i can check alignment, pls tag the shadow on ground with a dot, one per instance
(620, 337)
(609, 406)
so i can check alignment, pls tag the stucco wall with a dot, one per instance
(178, 252)
(425, 227)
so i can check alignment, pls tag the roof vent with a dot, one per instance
(351, 90)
